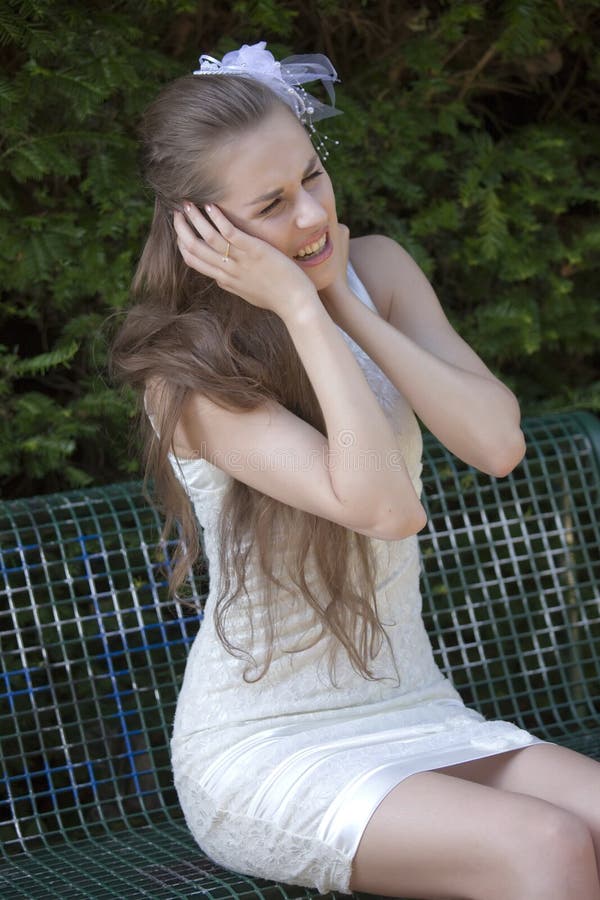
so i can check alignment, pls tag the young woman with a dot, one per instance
(282, 366)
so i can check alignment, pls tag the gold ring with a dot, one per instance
(226, 257)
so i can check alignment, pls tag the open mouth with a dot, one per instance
(316, 251)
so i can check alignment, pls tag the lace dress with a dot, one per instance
(278, 778)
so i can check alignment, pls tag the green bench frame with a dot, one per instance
(93, 652)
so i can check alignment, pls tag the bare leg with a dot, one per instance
(552, 773)
(439, 837)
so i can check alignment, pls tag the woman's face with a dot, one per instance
(275, 188)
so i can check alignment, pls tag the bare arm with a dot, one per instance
(442, 378)
(326, 476)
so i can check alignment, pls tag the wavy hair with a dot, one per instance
(187, 335)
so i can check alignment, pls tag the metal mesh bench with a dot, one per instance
(93, 652)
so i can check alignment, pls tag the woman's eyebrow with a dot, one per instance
(275, 193)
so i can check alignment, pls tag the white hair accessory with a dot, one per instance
(285, 78)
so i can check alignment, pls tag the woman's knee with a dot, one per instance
(564, 835)
(551, 854)
(487, 844)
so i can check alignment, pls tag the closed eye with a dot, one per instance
(274, 203)
(271, 206)
(314, 174)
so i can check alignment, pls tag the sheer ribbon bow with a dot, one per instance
(285, 78)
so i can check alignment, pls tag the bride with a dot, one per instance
(283, 366)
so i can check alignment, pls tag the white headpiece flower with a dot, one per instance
(285, 78)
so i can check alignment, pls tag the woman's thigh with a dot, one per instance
(546, 771)
(439, 836)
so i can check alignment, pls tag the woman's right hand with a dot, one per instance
(241, 263)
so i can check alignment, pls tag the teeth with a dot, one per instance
(312, 248)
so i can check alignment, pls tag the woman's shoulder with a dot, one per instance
(374, 258)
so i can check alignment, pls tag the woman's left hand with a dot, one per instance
(335, 294)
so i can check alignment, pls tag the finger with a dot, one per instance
(205, 228)
(188, 240)
(183, 229)
(195, 252)
(198, 247)
(210, 230)
(211, 271)
(226, 228)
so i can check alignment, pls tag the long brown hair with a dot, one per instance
(187, 335)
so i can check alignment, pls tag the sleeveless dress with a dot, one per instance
(278, 778)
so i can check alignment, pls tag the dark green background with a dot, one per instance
(470, 135)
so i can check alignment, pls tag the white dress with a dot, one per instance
(278, 778)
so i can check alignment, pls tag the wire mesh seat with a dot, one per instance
(93, 652)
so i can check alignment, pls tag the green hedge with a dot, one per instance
(470, 135)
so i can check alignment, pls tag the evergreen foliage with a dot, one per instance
(470, 134)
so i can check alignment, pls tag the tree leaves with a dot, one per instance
(470, 135)
(40, 364)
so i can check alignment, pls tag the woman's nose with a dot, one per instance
(309, 212)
